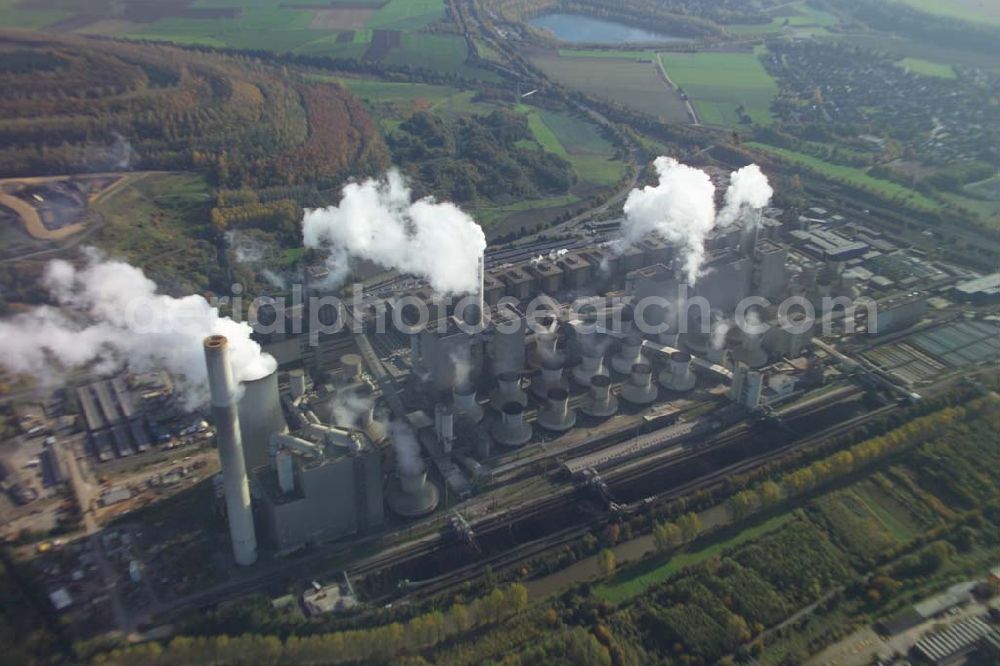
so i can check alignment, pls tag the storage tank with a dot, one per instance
(260, 417)
(512, 430)
(600, 402)
(629, 354)
(556, 415)
(678, 376)
(639, 389)
(227, 432)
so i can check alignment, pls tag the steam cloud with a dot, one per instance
(748, 190)
(404, 443)
(680, 208)
(376, 220)
(111, 315)
(346, 408)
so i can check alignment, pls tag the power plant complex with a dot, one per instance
(420, 400)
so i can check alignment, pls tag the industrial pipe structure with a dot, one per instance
(227, 429)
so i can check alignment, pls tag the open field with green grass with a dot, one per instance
(976, 11)
(909, 48)
(850, 175)
(634, 84)
(443, 53)
(579, 142)
(720, 82)
(988, 189)
(928, 68)
(408, 14)
(634, 581)
(797, 18)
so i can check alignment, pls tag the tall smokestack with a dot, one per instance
(227, 428)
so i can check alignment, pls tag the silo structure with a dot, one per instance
(556, 415)
(600, 402)
(550, 377)
(639, 389)
(591, 364)
(352, 366)
(227, 431)
(751, 350)
(509, 340)
(444, 426)
(410, 494)
(678, 375)
(629, 354)
(297, 383)
(508, 390)
(512, 430)
(260, 417)
(372, 427)
(464, 400)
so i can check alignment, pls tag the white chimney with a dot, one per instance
(227, 432)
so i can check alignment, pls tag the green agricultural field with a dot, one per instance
(333, 47)
(631, 582)
(720, 82)
(988, 189)
(579, 142)
(928, 68)
(634, 84)
(798, 18)
(408, 14)
(444, 53)
(850, 175)
(13, 15)
(976, 11)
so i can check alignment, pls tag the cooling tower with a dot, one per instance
(260, 417)
(591, 364)
(464, 399)
(508, 390)
(599, 402)
(512, 429)
(678, 375)
(297, 383)
(227, 430)
(410, 495)
(444, 426)
(639, 389)
(629, 354)
(556, 415)
(550, 377)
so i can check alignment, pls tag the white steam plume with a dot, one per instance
(680, 209)
(376, 220)
(111, 315)
(748, 190)
(404, 443)
(346, 408)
